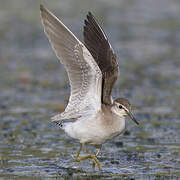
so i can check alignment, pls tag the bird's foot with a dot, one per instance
(94, 158)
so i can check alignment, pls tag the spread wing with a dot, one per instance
(98, 45)
(84, 74)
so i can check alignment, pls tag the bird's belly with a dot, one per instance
(85, 133)
(91, 132)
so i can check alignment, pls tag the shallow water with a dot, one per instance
(34, 86)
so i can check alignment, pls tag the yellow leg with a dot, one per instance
(78, 153)
(94, 163)
(89, 156)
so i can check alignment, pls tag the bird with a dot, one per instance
(91, 115)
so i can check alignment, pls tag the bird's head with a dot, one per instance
(122, 107)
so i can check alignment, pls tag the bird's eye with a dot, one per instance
(120, 107)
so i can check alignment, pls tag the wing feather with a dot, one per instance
(84, 74)
(98, 45)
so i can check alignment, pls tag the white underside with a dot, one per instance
(93, 131)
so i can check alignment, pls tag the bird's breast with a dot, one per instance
(113, 125)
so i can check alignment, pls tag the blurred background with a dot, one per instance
(34, 86)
